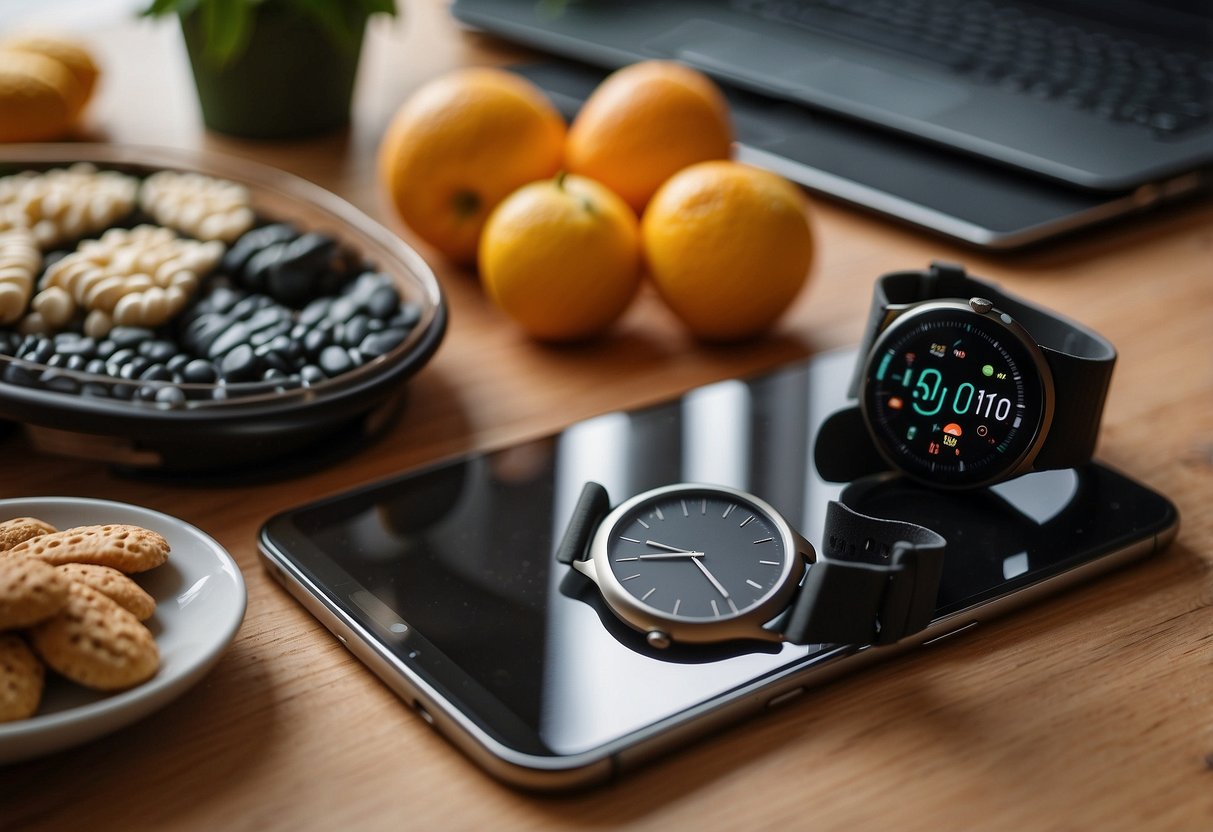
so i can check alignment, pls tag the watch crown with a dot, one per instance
(980, 305)
(658, 639)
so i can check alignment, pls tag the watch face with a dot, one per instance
(698, 553)
(953, 397)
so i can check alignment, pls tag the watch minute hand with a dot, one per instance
(710, 577)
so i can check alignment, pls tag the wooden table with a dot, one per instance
(1092, 710)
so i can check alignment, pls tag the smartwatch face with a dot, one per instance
(698, 553)
(953, 397)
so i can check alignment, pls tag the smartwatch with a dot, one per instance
(696, 564)
(960, 385)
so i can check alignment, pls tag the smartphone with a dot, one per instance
(443, 580)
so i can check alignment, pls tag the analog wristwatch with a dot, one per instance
(691, 563)
(960, 385)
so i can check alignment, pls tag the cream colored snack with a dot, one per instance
(96, 643)
(137, 277)
(21, 678)
(20, 262)
(201, 206)
(122, 547)
(112, 584)
(65, 204)
(21, 529)
(30, 591)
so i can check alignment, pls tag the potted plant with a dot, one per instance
(273, 68)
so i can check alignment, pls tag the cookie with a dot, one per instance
(20, 529)
(96, 643)
(112, 584)
(21, 678)
(30, 591)
(123, 547)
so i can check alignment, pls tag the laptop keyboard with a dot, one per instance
(1017, 49)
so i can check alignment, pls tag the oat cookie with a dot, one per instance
(21, 529)
(30, 591)
(96, 643)
(123, 547)
(21, 677)
(112, 584)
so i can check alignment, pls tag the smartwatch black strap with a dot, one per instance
(875, 582)
(1080, 359)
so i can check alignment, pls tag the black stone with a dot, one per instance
(383, 303)
(171, 396)
(156, 372)
(240, 364)
(235, 335)
(334, 361)
(199, 371)
(311, 374)
(129, 336)
(382, 342)
(82, 346)
(315, 311)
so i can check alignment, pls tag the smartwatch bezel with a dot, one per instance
(900, 316)
(748, 624)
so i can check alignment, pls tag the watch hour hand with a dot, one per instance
(668, 548)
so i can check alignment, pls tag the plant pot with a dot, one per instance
(293, 80)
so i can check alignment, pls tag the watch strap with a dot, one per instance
(591, 507)
(875, 582)
(844, 450)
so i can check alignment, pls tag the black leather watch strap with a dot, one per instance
(1080, 359)
(592, 506)
(875, 582)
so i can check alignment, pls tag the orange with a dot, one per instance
(728, 247)
(562, 258)
(643, 124)
(459, 145)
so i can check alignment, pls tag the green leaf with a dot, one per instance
(227, 26)
(160, 8)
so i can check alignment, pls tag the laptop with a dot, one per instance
(1039, 118)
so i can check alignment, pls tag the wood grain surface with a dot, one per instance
(1091, 710)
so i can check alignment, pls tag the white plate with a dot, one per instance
(200, 600)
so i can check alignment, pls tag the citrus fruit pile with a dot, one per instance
(564, 222)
